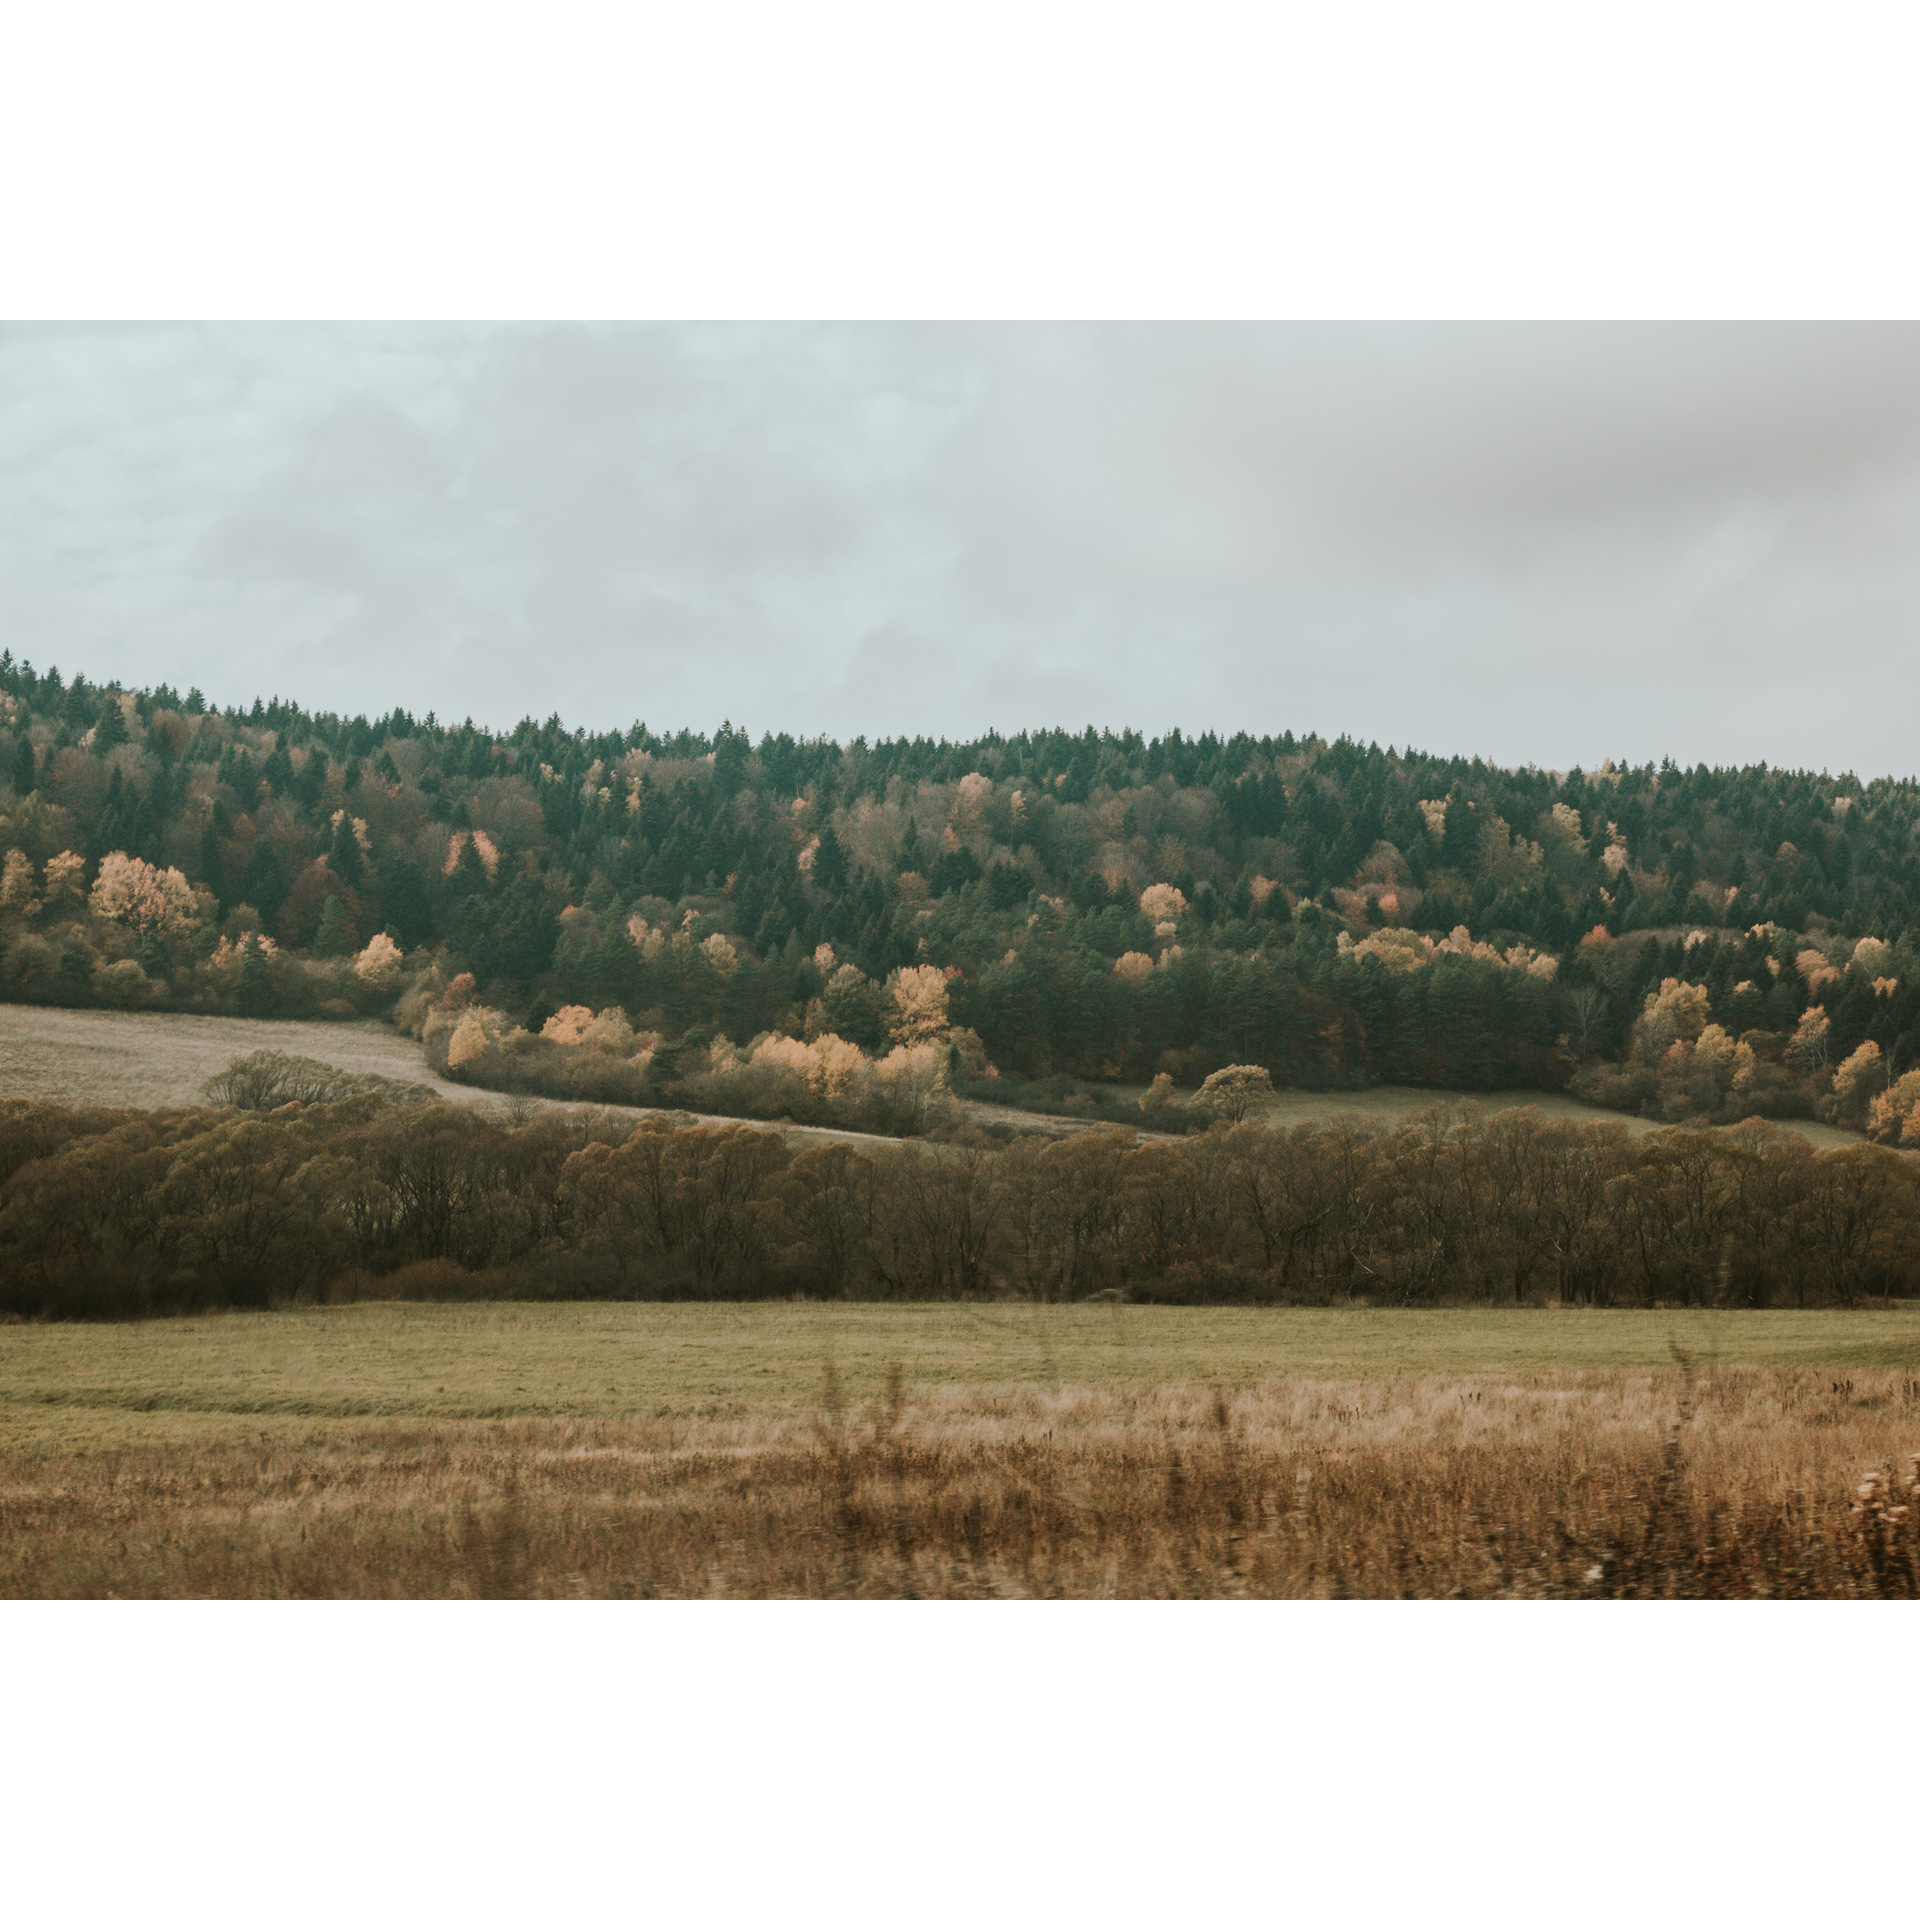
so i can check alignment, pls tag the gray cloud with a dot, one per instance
(1543, 543)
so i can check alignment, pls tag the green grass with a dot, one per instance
(1291, 1106)
(236, 1376)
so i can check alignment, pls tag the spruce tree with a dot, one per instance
(335, 933)
(110, 730)
(254, 996)
(344, 857)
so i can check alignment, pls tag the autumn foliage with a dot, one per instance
(1095, 906)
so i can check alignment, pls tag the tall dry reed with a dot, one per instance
(1737, 1482)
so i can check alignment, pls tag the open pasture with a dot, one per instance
(73, 1385)
(96, 1056)
(787, 1449)
(91, 1056)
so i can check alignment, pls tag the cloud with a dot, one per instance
(1546, 543)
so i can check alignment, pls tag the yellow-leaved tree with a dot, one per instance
(919, 1006)
(148, 899)
(1678, 1011)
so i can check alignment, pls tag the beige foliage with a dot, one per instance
(378, 963)
(471, 1038)
(919, 1006)
(18, 887)
(1677, 1011)
(130, 893)
(1568, 825)
(1233, 1093)
(1159, 1096)
(610, 1031)
(1164, 904)
(970, 801)
(568, 1027)
(1808, 1049)
(718, 952)
(1401, 950)
(1133, 966)
(1871, 958)
(920, 1069)
(1858, 1078)
(1894, 1116)
(64, 889)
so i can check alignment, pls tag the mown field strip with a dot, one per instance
(81, 1386)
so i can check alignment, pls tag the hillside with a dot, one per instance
(1706, 942)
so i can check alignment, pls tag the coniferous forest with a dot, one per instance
(634, 916)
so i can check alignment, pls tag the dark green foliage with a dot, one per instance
(1025, 887)
(302, 1177)
(110, 730)
(255, 996)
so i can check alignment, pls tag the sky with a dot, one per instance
(1549, 544)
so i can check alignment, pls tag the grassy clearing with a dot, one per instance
(89, 1056)
(1294, 1106)
(82, 1387)
(85, 1056)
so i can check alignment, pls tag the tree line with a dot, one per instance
(106, 1212)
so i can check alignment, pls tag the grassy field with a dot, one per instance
(1292, 1106)
(94, 1056)
(80, 1386)
(804, 1449)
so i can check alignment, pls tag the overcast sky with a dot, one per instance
(1540, 543)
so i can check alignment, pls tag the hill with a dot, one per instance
(1706, 942)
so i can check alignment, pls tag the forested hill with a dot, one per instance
(1099, 904)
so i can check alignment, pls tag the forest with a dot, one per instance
(361, 1191)
(660, 920)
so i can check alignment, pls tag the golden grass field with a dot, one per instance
(787, 1448)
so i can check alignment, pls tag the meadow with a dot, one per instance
(97, 1056)
(785, 1448)
(103, 1057)
(91, 1056)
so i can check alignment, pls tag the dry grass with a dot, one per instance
(794, 1448)
(91, 1056)
(1384, 1106)
(244, 1377)
(95, 1056)
(1574, 1483)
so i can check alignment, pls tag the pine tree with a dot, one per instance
(254, 996)
(344, 858)
(335, 933)
(110, 730)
